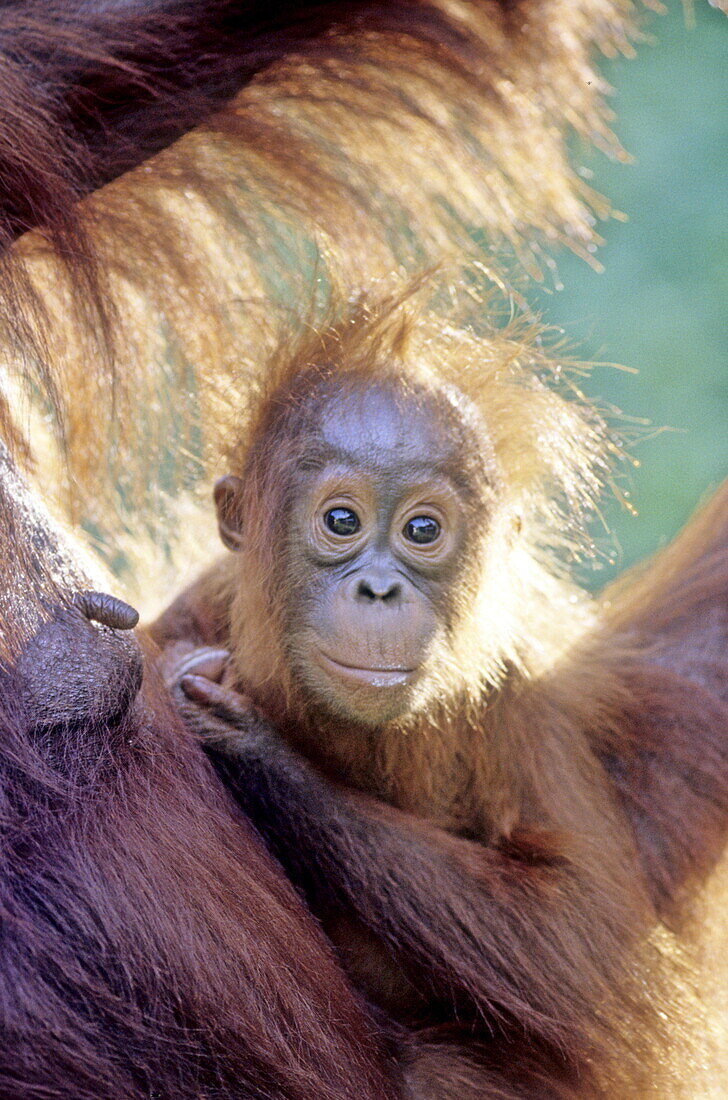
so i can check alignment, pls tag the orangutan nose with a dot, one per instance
(375, 586)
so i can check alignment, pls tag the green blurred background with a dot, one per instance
(661, 304)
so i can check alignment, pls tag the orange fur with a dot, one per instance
(615, 813)
(304, 178)
(539, 725)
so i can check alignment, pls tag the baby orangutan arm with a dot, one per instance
(466, 921)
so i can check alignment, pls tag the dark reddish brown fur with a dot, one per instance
(667, 753)
(129, 892)
(149, 948)
(95, 91)
(180, 263)
(496, 871)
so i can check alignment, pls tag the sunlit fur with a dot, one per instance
(366, 137)
(144, 930)
(549, 454)
(324, 164)
(538, 697)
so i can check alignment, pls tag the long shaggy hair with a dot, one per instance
(146, 935)
(361, 137)
(551, 452)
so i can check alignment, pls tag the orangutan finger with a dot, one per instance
(226, 704)
(100, 607)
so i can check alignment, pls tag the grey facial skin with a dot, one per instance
(386, 504)
(381, 520)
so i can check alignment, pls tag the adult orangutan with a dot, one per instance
(148, 946)
(361, 136)
(491, 790)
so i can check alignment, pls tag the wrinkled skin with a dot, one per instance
(383, 522)
(81, 664)
(144, 929)
(477, 860)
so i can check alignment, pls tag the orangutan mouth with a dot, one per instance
(380, 677)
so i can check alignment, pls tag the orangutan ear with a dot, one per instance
(228, 501)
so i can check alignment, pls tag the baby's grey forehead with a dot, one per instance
(363, 422)
(385, 402)
(376, 419)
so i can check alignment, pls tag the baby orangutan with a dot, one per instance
(404, 700)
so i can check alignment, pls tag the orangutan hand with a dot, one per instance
(223, 719)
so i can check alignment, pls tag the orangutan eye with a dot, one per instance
(342, 521)
(421, 529)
